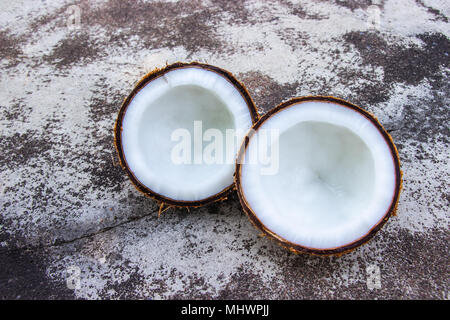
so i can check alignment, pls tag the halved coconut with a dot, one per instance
(334, 176)
(182, 101)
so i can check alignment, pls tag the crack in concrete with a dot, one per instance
(58, 242)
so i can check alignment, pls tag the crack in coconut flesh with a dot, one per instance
(175, 98)
(338, 177)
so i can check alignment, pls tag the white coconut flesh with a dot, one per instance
(175, 101)
(336, 177)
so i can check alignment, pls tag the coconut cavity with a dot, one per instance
(168, 125)
(336, 176)
(181, 107)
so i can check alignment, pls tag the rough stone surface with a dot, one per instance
(66, 206)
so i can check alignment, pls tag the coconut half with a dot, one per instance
(192, 98)
(337, 180)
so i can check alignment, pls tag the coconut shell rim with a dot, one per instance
(153, 75)
(296, 248)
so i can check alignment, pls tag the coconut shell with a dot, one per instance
(302, 249)
(165, 201)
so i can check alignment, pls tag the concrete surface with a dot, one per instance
(72, 226)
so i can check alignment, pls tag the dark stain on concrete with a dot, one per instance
(416, 263)
(265, 91)
(152, 25)
(193, 33)
(299, 11)
(125, 290)
(370, 94)
(76, 48)
(400, 64)
(193, 287)
(426, 120)
(296, 40)
(10, 48)
(23, 276)
(105, 102)
(354, 4)
(19, 148)
(105, 171)
(187, 23)
(295, 8)
(23, 273)
(245, 284)
(42, 196)
(16, 111)
(236, 9)
(156, 24)
(56, 18)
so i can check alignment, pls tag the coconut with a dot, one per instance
(182, 101)
(336, 180)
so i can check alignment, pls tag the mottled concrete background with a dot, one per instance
(68, 212)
